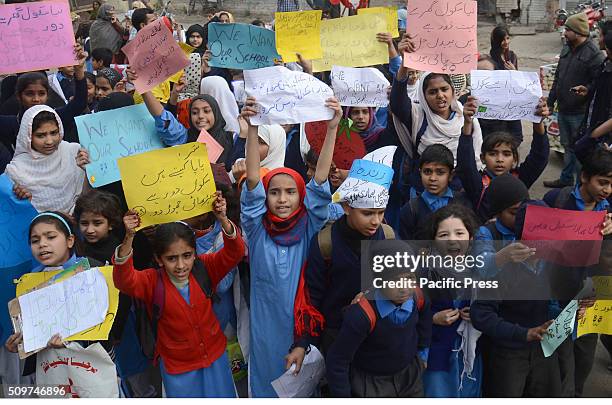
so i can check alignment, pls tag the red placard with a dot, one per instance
(349, 145)
(568, 238)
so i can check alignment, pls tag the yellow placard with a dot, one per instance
(597, 319)
(298, 32)
(170, 184)
(351, 42)
(390, 14)
(603, 287)
(99, 332)
(187, 49)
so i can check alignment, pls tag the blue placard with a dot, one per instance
(15, 218)
(110, 135)
(7, 292)
(241, 46)
(372, 172)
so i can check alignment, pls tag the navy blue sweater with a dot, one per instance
(471, 178)
(387, 350)
(332, 286)
(506, 322)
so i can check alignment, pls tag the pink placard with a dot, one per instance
(568, 238)
(213, 147)
(154, 55)
(36, 36)
(444, 34)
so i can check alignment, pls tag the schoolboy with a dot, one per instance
(381, 348)
(436, 168)
(514, 364)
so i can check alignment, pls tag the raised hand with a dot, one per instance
(82, 158)
(333, 104)
(406, 44)
(249, 110)
(131, 221)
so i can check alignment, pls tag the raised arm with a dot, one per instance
(252, 144)
(327, 150)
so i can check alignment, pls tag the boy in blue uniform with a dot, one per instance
(515, 365)
(436, 168)
(332, 278)
(591, 194)
(381, 349)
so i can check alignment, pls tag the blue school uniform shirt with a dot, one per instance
(275, 273)
(486, 247)
(600, 206)
(435, 202)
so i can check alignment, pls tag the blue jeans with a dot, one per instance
(569, 124)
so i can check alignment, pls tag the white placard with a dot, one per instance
(303, 384)
(506, 95)
(287, 97)
(67, 308)
(360, 87)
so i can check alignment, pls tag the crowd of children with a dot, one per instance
(277, 264)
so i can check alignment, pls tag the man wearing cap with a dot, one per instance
(579, 64)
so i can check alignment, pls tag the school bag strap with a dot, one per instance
(368, 310)
(325, 243)
(324, 238)
(159, 293)
(159, 300)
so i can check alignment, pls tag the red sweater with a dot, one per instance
(188, 336)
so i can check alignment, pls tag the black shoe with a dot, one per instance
(556, 184)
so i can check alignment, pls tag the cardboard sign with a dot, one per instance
(154, 55)
(564, 237)
(178, 186)
(213, 147)
(351, 41)
(349, 145)
(444, 34)
(36, 36)
(241, 46)
(110, 135)
(298, 32)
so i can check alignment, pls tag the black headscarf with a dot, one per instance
(217, 131)
(200, 30)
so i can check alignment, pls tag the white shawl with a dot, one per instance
(217, 87)
(276, 138)
(55, 181)
(440, 130)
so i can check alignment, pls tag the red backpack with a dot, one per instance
(367, 308)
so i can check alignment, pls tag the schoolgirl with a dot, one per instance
(279, 215)
(45, 168)
(190, 344)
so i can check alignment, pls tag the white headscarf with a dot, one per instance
(439, 130)
(276, 139)
(368, 181)
(55, 181)
(217, 87)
